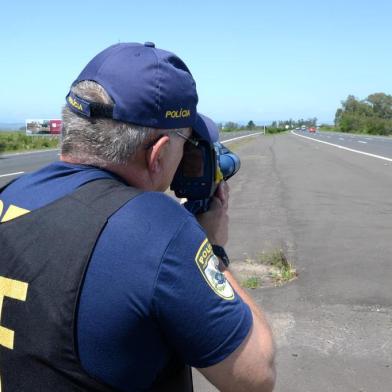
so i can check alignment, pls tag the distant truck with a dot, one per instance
(55, 127)
(43, 127)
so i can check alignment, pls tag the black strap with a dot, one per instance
(103, 187)
(50, 249)
(100, 199)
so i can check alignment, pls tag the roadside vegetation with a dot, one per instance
(272, 128)
(282, 270)
(372, 115)
(19, 141)
(251, 126)
(268, 269)
(253, 282)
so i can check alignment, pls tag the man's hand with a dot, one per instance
(216, 220)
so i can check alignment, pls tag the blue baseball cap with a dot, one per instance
(206, 128)
(149, 87)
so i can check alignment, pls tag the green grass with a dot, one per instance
(19, 141)
(252, 282)
(284, 274)
(270, 268)
(283, 270)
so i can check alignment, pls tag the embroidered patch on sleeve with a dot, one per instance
(208, 265)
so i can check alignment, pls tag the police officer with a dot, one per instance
(107, 283)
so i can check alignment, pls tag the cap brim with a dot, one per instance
(206, 128)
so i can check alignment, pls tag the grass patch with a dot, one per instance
(253, 282)
(268, 269)
(274, 257)
(283, 271)
(284, 274)
(19, 141)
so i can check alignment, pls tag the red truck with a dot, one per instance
(55, 127)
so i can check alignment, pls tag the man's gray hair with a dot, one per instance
(101, 141)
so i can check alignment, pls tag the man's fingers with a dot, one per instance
(222, 193)
(216, 203)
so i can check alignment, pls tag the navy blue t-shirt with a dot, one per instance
(152, 286)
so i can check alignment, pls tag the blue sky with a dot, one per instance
(252, 60)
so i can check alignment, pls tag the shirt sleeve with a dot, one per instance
(201, 316)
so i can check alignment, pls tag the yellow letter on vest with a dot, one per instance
(13, 289)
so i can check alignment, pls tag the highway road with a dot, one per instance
(14, 165)
(366, 144)
(329, 208)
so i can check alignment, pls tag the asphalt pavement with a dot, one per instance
(330, 210)
(14, 165)
(365, 144)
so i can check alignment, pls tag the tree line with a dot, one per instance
(372, 115)
(273, 127)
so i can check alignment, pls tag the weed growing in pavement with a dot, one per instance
(284, 274)
(252, 282)
(283, 271)
(268, 269)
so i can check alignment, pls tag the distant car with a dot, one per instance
(312, 129)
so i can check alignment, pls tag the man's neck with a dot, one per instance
(129, 172)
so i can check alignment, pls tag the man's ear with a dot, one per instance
(156, 154)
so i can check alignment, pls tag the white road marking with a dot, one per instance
(11, 174)
(240, 137)
(361, 141)
(27, 153)
(345, 148)
(341, 138)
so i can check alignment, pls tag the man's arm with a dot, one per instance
(251, 366)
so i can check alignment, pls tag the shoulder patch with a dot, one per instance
(208, 264)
